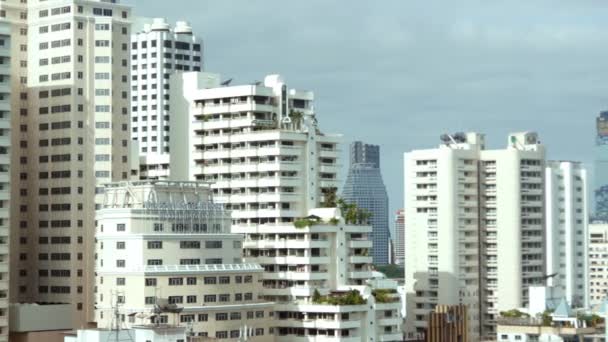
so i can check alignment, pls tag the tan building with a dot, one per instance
(70, 80)
(447, 324)
(165, 255)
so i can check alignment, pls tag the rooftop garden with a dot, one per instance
(385, 295)
(352, 297)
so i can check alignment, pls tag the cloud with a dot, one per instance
(400, 73)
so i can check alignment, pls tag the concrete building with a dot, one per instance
(364, 187)
(598, 262)
(139, 333)
(261, 147)
(600, 167)
(400, 237)
(71, 90)
(165, 254)
(475, 228)
(157, 51)
(566, 230)
(5, 185)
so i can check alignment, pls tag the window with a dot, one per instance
(210, 280)
(224, 297)
(150, 281)
(221, 316)
(213, 244)
(120, 227)
(120, 281)
(176, 281)
(120, 263)
(209, 299)
(224, 280)
(120, 245)
(189, 244)
(176, 299)
(155, 244)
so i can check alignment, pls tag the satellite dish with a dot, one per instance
(286, 120)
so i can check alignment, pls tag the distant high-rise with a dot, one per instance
(475, 224)
(400, 237)
(364, 186)
(601, 167)
(566, 230)
(157, 51)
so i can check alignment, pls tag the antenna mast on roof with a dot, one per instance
(116, 319)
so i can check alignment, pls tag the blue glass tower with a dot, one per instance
(364, 187)
(601, 168)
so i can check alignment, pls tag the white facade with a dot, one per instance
(399, 238)
(71, 91)
(167, 243)
(598, 262)
(142, 333)
(566, 230)
(157, 51)
(261, 147)
(474, 221)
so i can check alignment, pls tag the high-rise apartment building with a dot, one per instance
(566, 230)
(475, 228)
(364, 187)
(163, 244)
(600, 167)
(268, 161)
(400, 237)
(70, 85)
(5, 189)
(157, 51)
(598, 263)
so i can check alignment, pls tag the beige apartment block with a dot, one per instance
(166, 245)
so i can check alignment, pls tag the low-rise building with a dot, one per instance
(598, 262)
(165, 254)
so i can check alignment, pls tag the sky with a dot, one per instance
(401, 73)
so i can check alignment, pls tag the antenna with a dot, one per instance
(115, 326)
(226, 82)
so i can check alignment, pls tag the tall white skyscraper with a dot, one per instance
(261, 147)
(566, 232)
(474, 234)
(71, 90)
(157, 51)
(399, 237)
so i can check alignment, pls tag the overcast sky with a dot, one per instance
(400, 73)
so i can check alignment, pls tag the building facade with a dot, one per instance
(71, 90)
(261, 148)
(475, 228)
(166, 246)
(600, 167)
(566, 230)
(364, 187)
(157, 51)
(400, 237)
(5, 185)
(598, 262)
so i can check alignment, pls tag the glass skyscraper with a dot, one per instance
(601, 167)
(364, 187)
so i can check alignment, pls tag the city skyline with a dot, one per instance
(446, 75)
